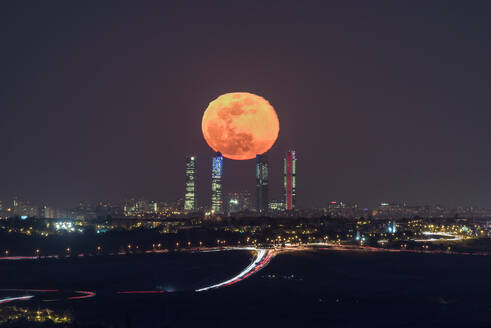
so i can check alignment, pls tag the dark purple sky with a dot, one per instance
(383, 100)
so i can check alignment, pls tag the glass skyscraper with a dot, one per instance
(289, 183)
(190, 195)
(216, 184)
(262, 174)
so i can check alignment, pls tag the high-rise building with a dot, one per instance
(216, 184)
(262, 199)
(289, 183)
(190, 195)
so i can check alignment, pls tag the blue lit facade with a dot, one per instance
(216, 184)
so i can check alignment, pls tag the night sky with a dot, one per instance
(383, 100)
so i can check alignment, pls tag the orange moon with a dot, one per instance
(240, 125)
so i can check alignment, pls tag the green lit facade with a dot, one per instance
(190, 195)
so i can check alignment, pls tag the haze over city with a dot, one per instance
(106, 103)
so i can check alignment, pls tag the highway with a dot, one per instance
(262, 258)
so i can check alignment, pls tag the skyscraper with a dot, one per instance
(289, 183)
(216, 184)
(262, 199)
(190, 195)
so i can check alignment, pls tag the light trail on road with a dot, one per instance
(18, 258)
(262, 259)
(30, 290)
(11, 299)
(352, 248)
(84, 296)
(450, 237)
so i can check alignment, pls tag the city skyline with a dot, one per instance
(207, 184)
(149, 155)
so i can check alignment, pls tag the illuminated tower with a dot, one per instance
(216, 184)
(190, 195)
(262, 184)
(289, 183)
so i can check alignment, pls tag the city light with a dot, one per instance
(64, 225)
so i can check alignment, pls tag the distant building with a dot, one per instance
(289, 182)
(233, 203)
(339, 209)
(23, 208)
(48, 212)
(190, 195)
(262, 174)
(139, 207)
(216, 184)
(276, 206)
(239, 202)
(153, 207)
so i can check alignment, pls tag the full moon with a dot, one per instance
(240, 125)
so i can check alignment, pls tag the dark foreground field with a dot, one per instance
(310, 289)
